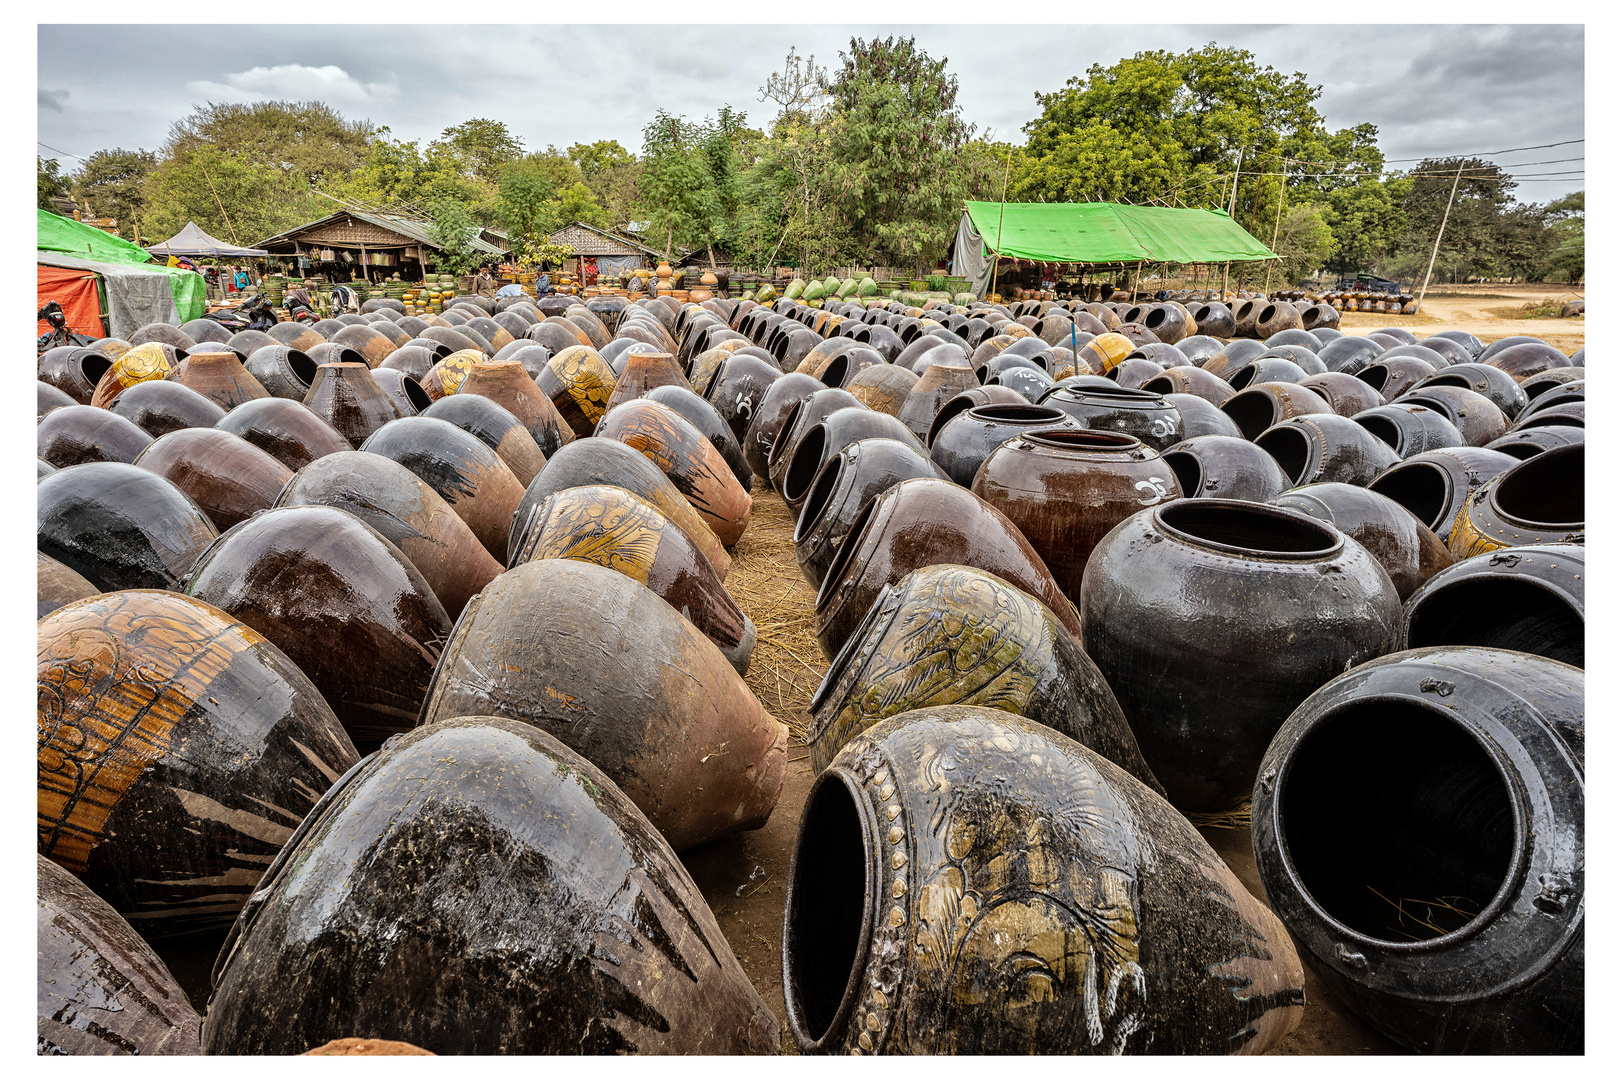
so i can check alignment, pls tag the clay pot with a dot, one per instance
(341, 601)
(1200, 417)
(464, 472)
(248, 342)
(1225, 467)
(936, 385)
(951, 635)
(845, 367)
(611, 527)
(457, 341)
(496, 428)
(1205, 683)
(1261, 405)
(110, 347)
(518, 650)
(703, 416)
(578, 382)
(74, 434)
(1138, 334)
(681, 451)
(1214, 320)
(448, 373)
(74, 370)
(1477, 419)
(59, 584)
(499, 336)
(406, 393)
(533, 357)
(1409, 551)
(91, 962)
(144, 362)
(48, 399)
(1320, 316)
(1349, 355)
(596, 460)
(1410, 429)
(158, 407)
(827, 438)
(348, 398)
(505, 383)
(1537, 501)
(802, 417)
(1199, 348)
(843, 485)
(295, 335)
(220, 377)
(919, 523)
(1475, 828)
(1537, 385)
(1525, 359)
(1186, 379)
(1326, 449)
(1435, 484)
(644, 371)
(1104, 352)
(1395, 377)
(1529, 600)
(1233, 357)
(971, 398)
(823, 354)
(120, 526)
(282, 371)
(286, 430)
(612, 925)
(162, 333)
(1244, 318)
(1346, 395)
(227, 477)
(968, 437)
(1529, 442)
(1266, 368)
(739, 386)
(1568, 413)
(1147, 417)
(178, 749)
(969, 881)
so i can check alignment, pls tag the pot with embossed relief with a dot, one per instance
(953, 635)
(920, 523)
(682, 452)
(1448, 911)
(344, 604)
(1538, 501)
(586, 918)
(1064, 490)
(1529, 599)
(1436, 484)
(1225, 467)
(969, 881)
(578, 381)
(646, 695)
(178, 748)
(1212, 619)
(1326, 449)
(1138, 413)
(1478, 420)
(1405, 546)
(1410, 429)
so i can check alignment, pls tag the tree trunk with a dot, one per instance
(711, 249)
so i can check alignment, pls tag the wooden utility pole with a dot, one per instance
(1001, 204)
(1434, 247)
(1282, 177)
(1232, 198)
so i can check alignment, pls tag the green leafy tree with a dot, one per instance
(691, 183)
(228, 195)
(307, 139)
(52, 185)
(894, 170)
(1566, 220)
(611, 172)
(113, 183)
(454, 229)
(477, 149)
(1305, 243)
(1525, 242)
(1366, 220)
(1469, 246)
(390, 172)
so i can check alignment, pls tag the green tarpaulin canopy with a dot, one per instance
(1112, 233)
(65, 242)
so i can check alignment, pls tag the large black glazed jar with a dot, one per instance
(476, 887)
(954, 635)
(1529, 599)
(1419, 827)
(964, 441)
(1212, 619)
(969, 881)
(1145, 416)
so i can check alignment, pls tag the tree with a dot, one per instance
(478, 148)
(1366, 221)
(113, 183)
(1469, 245)
(454, 230)
(786, 201)
(228, 195)
(1524, 241)
(691, 176)
(1305, 243)
(893, 169)
(306, 138)
(390, 172)
(52, 186)
(1566, 220)
(611, 173)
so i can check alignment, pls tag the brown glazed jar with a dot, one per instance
(1436, 484)
(74, 370)
(158, 407)
(1479, 420)
(342, 602)
(227, 477)
(643, 371)
(861, 470)
(1409, 551)
(347, 397)
(682, 452)
(77, 434)
(967, 881)
(1225, 467)
(119, 526)
(1187, 379)
(739, 386)
(935, 387)
(465, 472)
(496, 428)
(1204, 681)
(1538, 501)
(295, 335)
(1410, 429)
(511, 892)
(59, 584)
(406, 393)
(969, 437)
(611, 527)
(178, 749)
(595, 658)
(953, 635)
(220, 377)
(1261, 405)
(1347, 395)
(405, 511)
(771, 415)
(578, 381)
(91, 962)
(919, 523)
(1529, 600)
(505, 383)
(1147, 417)
(371, 344)
(1326, 449)
(285, 430)
(1064, 490)
(802, 417)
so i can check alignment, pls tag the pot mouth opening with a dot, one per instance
(1376, 375)
(1421, 486)
(1018, 414)
(1252, 412)
(1082, 440)
(415, 393)
(94, 365)
(823, 485)
(805, 463)
(1383, 428)
(954, 405)
(1249, 529)
(1291, 447)
(854, 539)
(828, 922)
(1243, 377)
(1499, 613)
(303, 367)
(1410, 849)
(1546, 491)
(1188, 470)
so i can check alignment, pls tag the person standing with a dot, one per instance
(483, 283)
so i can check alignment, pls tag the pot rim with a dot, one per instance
(1179, 507)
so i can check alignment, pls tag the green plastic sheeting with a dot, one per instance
(69, 237)
(1112, 233)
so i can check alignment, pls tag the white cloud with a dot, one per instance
(298, 82)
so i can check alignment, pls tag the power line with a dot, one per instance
(64, 153)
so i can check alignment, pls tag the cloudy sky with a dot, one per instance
(1433, 90)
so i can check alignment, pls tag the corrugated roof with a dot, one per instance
(411, 228)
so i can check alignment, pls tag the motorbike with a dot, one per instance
(59, 334)
(254, 313)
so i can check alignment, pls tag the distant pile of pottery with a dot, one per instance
(1073, 570)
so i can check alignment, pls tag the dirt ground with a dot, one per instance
(1480, 310)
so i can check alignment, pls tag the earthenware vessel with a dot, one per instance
(1538, 501)
(1187, 379)
(220, 377)
(1395, 377)
(827, 438)
(347, 397)
(1262, 405)
(406, 393)
(344, 604)
(1479, 421)
(771, 415)
(1410, 553)
(74, 370)
(1225, 467)
(1436, 484)
(645, 694)
(1448, 910)
(1147, 417)
(969, 881)
(1326, 448)
(1529, 442)
(736, 391)
(120, 526)
(505, 383)
(447, 374)
(1525, 359)
(1346, 394)
(1205, 683)
(704, 416)
(405, 511)
(48, 399)
(1349, 355)
(285, 430)
(1410, 429)
(227, 477)
(149, 361)
(682, 452)
(843, 485)
(58, 585)
(92, 963)
(178, 749)
(158, 407)
(968, 437)
(936, 385)
(75, 434)
(1529, 600)
(578, 381)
